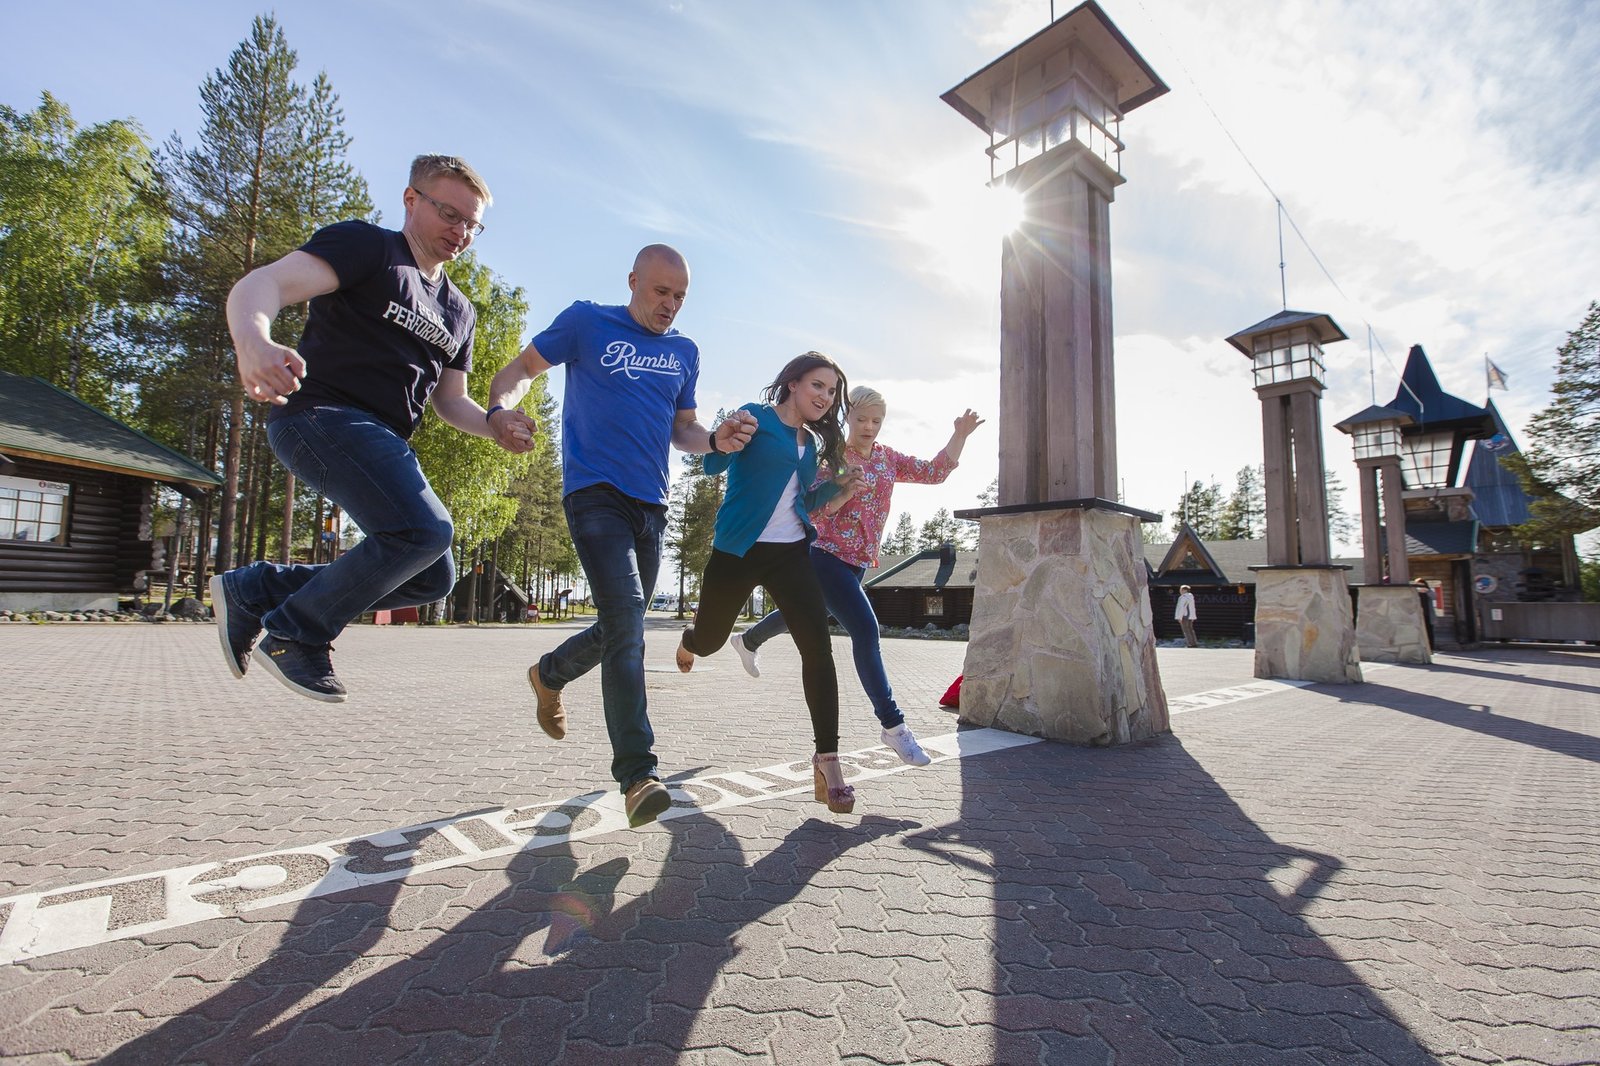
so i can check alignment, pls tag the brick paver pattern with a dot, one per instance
(1403, 871)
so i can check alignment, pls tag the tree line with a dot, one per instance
(116, 258)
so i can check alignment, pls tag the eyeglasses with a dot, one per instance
(451, 216)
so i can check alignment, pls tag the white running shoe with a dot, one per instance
(746, 655)
(905, 745)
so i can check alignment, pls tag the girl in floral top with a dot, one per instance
(849, 528)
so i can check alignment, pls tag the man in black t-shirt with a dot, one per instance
(387, 333)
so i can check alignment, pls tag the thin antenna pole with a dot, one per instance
(1372, 372)
(1283, 276)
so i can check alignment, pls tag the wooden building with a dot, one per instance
(77, 488)
(936, 585)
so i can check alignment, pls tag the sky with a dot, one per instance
(1439, 159)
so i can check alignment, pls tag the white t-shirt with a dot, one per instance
(784, 526)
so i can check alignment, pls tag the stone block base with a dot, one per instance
(58, 601)
(1390, 627)
(1305, 630)
(1061, 643)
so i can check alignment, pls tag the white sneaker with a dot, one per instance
(746, 655)
(905, 745)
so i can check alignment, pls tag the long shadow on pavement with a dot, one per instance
(1479, 718)
(1521, 679)
(608, 983)
(1139, 916)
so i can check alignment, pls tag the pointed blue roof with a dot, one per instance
(1438, 410)
(1498, 497)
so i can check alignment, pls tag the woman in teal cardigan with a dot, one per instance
(763, 533)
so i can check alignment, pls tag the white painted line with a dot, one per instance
(36, 924)
(1221, 697)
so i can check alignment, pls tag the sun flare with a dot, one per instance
(1004, 208)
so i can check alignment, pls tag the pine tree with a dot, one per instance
(332, 191)
(237, 197)
(538, 545)
(1342, 528)
(1201, 507)
(1560, 464)
(903, 541)
(1244, 515)
(691, 523)
(942, 528)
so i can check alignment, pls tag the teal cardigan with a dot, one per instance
(756, 479)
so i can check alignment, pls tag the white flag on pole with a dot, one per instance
(1495, 376)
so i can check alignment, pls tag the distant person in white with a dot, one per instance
(1185, 615)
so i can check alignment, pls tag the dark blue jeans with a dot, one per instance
(618, 539)
(782, 569)
(354, 459)
(847, 601)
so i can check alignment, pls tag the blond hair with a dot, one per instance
(867, 396)
(426, 168)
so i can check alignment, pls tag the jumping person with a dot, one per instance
(629, 399)
(761, 536)
(387, 334)
(849, 530)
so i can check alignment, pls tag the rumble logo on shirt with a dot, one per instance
(623, 358)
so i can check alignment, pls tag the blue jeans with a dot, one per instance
(368, 470)
(618, 539)
(847, 601)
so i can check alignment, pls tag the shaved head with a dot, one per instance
(665, 254)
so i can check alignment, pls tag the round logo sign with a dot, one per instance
(1485, 583)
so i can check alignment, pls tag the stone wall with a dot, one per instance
(1390, 626)
(1061, 643)
(1305, 630)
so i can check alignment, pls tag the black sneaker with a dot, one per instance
(306, 668)
(237, 628)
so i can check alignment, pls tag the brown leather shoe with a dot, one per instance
(646, 799)
(552, 716)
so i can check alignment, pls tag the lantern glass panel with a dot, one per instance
(1425, 460)
(1070, 109)
(1289, 355)
(1377, 440)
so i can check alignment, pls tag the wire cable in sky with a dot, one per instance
(1283, 211)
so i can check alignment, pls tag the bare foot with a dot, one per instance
(685, 659)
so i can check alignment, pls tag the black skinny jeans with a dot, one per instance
(785, 570)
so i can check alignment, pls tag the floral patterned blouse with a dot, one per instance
(854, 531)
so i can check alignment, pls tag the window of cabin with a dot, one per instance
(33, 512)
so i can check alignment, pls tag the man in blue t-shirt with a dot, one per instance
(629, 399)
(387, 334)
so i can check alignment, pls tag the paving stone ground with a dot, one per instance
(1404, 871)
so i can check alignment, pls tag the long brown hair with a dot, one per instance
(830, 427)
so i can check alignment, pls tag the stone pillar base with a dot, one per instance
(1390, 627)
(1304, 625)
(1061, 644)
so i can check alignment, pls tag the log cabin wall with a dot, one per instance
(108, 536)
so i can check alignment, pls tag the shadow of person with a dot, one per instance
(569, 961)
(323, 938)
(1139, 915)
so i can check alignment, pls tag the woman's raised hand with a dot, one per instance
(968, 422)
